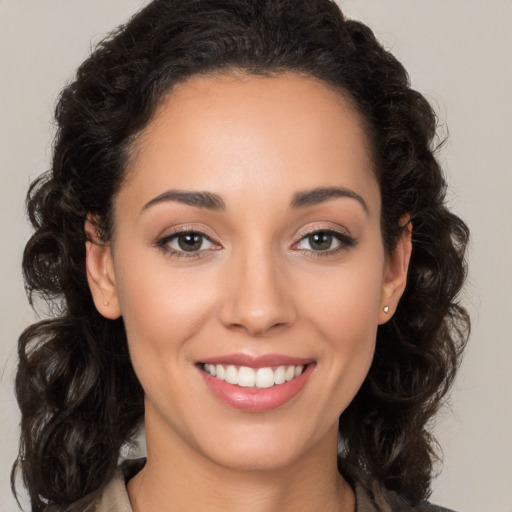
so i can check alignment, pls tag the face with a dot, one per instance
(247, 263)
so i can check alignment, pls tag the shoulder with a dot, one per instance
(372, 497)
(114, 496)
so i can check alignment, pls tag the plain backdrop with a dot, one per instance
(459, 55)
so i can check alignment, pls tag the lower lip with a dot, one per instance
(255, 399)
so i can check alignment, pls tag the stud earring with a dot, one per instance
(386, 309)
(106, 303)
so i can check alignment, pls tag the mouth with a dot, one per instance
(256, 384)
(247, 377)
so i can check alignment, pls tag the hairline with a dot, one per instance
(131, 146)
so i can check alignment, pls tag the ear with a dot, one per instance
(100, 273)
(395, 272)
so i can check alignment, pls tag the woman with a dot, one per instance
(245, 239)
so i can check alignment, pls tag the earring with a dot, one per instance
(386, 309)
(106, 303)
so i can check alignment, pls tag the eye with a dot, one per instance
(187, 243)
(324, 241)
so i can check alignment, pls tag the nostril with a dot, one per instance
(258, 329)
(256, 300)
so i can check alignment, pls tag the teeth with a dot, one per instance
(265, 378)
(289, 373)
(231, 375)
(280, 375)
(248, 377)
(211, 369)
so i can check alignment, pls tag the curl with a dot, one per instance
(78, 393)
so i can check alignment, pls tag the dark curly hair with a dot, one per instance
(80, 399)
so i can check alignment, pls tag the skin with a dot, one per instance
(258, 287)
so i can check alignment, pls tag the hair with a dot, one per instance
(80, 399)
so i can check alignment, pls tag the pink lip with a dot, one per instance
(253, 361)
(254, 399)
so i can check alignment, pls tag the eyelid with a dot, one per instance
(340, 231)
(316, 228)
(200, 229)
(162, 242)
(344, 238)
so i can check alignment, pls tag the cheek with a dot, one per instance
(164, 313)
(162, 309)
(345, 311)
(346, 298)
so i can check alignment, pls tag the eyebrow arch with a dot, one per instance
(320, 195)
(206, 200)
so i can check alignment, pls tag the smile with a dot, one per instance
(260, 378)
(256, 384)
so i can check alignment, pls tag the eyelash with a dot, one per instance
(163, 243)
(346, 242)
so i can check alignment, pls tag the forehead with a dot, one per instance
(233, 131)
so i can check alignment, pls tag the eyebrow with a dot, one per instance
(323, 194)
(211, 201)
(199, 199)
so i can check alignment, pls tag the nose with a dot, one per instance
(258, 298)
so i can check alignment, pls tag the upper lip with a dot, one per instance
(257, 361)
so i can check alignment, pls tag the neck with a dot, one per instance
(178, 478)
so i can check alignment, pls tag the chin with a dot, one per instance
(261, 449)
(256, 458)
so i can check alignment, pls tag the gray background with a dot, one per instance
(458, 54)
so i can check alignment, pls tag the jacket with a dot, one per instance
(369, 498)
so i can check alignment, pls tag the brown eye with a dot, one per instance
(190, 241)
(324, 241)
(320, 241)
(183, 242)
